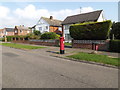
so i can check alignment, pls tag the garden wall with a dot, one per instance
(39, 42)
(87, 44)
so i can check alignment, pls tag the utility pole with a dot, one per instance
(80, 9)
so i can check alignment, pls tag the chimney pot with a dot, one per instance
(51, 17)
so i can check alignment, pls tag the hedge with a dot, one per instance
(9, 38)
(2, 39)
(32, 36)
(114, 46)
(91, 30)
(50, 35)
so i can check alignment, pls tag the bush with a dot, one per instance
(32, 36)
(2, 39)
(50, 35)
(91, 30)
(114, 46)
(36, 32)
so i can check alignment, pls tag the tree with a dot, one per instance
(36, 32)
(115, 30)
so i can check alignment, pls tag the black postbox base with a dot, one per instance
(62, 51)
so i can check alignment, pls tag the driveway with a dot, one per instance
(37, 69)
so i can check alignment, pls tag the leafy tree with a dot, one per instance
(115, 30)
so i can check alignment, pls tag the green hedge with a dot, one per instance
(2, 39)
(50, 35)
(114, 46)
(32, 36)
(90, 30)
(9, 38)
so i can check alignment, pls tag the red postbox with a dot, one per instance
(62, 45)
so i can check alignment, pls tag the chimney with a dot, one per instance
(51, 17)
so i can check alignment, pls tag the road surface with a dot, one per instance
(37, 69)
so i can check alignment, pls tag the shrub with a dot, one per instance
(36, 32)
(50, 35)
(114, 45)
(90, 30)
(32, 36)
(2, 39)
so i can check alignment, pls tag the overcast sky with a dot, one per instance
(28, 13)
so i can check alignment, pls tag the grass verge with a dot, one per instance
(96, 58)
(20, 46)
(67, 44)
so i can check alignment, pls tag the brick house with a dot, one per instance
(22, 30)
(49, 25)
(6, 32)
(2, 32)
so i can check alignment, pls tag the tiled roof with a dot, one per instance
(80, 18)
(9, 29)
(22, 28)
(52, 22)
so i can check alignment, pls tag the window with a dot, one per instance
(68, 37)
(15, 31)
(67, 27)
(40, 28)
(46, 27)
(20, 31)
(28, 31)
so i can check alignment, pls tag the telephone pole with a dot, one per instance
(80, 10)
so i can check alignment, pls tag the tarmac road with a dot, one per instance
(32, 69)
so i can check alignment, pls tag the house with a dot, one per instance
(49, 25)
(22, 30)
(95, 16)
(1, 33)
(6, 32)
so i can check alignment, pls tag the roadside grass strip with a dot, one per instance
(68, 44)
(20, 46)
(104, 59)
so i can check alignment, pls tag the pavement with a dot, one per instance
(38, 69)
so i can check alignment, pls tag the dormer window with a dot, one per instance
(46, 27)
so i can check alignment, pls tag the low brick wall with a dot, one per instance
(39, 42)
(87, 44)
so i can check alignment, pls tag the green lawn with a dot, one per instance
(96, 58)
(67, 44)
(20, 46)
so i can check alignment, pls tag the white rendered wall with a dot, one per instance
(42, 23)
(101, 17)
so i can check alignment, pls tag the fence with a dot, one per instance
(87, 44)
